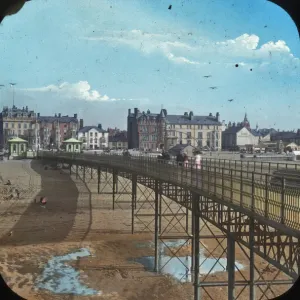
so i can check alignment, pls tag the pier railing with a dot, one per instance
(271, 196)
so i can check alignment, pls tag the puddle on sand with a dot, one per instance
(60, 278)
(180, 267)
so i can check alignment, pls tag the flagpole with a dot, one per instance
(13, 86)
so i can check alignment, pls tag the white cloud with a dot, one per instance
(148, 43)
(185, 49)
(78, 91)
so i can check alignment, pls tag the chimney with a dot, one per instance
(80, 123)
(100, 126)
(75, 116)
(186, 114)
(38, 115)
(135, 112)
(59, 115)
(210, 114)
(26, 108)
(129, 112)
(191, 115)
(218, 116)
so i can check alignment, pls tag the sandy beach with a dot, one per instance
(77, 217)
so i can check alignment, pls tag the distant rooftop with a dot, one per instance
(88, 128)
(184, 119)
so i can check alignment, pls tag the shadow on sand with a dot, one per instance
(53, 223)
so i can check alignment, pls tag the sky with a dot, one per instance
(98, 58)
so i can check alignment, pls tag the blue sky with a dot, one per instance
(98, 58)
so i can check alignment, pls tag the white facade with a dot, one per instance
(93, 137)
(245, 137)
(266, 138)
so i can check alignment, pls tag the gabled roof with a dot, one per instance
(88, 128)
(256, 132)
(233, 129)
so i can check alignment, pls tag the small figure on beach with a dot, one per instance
(43, 201)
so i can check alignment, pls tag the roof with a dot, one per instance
(72, 140)
(178, 148)
(62, 119)
(88, 128)
(17, 140)
(233, 129)
(196, 120)
(256, 132)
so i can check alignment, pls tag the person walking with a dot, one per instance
(186, 160)
(198, 161)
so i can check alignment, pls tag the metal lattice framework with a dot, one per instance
(247, 211)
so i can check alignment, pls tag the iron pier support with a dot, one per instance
(252, 259)
(115, 180)
(99, 178)
(231, 266)
(133, 199)
(83, 175)
(156, 226)
(196, 240)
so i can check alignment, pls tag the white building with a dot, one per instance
(93, 137)
(237, 136)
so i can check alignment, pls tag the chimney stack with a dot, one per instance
(80, 123)
(135, 112)
(218, 116)
(100, 126)
(38, 115)
(75, 116)
(59, 115)
(129, 112)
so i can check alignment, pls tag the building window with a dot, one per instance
(12, 125)
(20, 132)
(25, 125)
(6, 125)
(91, 134)
(188, 135)
(91, 141)
(189, 142)
(19, 125)
(96, 134)
(208, 127)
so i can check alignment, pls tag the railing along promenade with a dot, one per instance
(251, 192)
